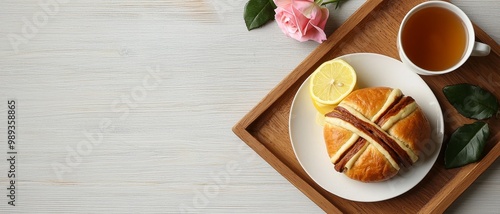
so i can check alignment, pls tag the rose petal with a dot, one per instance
(305, 6)
(301, 19)
(286, 21)
(282, 3)
(316, 33)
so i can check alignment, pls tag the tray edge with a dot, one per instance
(241, 127)
(438, 203)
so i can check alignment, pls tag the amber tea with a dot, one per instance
(434, 38)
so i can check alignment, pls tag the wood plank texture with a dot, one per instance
(126, 106)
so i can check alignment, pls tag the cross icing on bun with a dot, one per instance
(374, 132)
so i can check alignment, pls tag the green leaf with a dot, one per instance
(471, 101)
(258, 13)
(466, 144)
(272, 4)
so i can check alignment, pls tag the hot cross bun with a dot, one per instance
(374, 132)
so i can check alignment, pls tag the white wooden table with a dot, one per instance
(127, 107)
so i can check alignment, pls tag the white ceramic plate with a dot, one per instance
(307, 136)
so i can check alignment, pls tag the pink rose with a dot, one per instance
(301, 19)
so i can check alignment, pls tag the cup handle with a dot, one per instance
(480, 49)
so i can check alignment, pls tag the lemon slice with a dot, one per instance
(331, 82)
(322, 108)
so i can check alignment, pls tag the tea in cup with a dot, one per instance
(436, 37)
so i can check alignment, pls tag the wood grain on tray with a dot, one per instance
(373, 28)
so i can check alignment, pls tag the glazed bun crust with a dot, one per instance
(369, 101)
(360, 154)
(371, 166)
(414, 130)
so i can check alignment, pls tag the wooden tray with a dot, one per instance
(373, 28)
